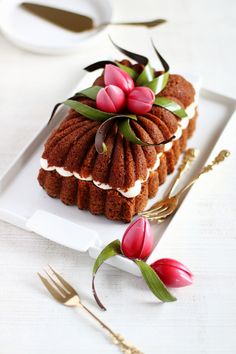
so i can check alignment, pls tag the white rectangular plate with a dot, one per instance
(25, 204)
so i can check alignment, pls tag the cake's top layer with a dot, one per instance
(71, 150)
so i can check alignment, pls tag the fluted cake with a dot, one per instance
(119, 182)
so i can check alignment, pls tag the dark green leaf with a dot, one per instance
(145, 76)
(58, 105)
(129, 134)
(87, 111)
(171, 106)
(159, 83)
(128, 70)
(137, 57)
(103, 130)
(162, 60)
(111, 250)
(98, 65)
(154, 283)
(101, 134)
(54, 111)
(90, 92)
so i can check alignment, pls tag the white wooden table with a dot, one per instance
(199, 37)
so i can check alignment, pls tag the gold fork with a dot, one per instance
(166, 207)
(189, 156)
(64, 293)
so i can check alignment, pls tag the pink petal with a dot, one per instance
(104, 103)
(133, 239)
(172, 262)
(117, 96)
(143, 94)
(138, 107)
(137, 241)
(113, 75)
(173, 273)
(147, 241)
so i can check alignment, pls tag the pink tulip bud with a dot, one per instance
(140, 100)
(110, 99)
(173, 273)
(113, 75)
(137, 241)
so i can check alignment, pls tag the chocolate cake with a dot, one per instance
(118, 182)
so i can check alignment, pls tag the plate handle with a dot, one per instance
(62, 231)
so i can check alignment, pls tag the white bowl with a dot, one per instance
(35, 34)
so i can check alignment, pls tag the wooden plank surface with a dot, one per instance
(199, 37)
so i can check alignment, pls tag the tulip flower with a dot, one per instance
(173, 273)
(110, 99)
(113, 75)
(140, 100)
(137, 241)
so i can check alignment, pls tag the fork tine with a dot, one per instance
(51, 289)
(164, 213)
(159, 210)
(63, 281)
(160, 215)
(56, 283)
(159, 206)
(156, 218)
(154, 212)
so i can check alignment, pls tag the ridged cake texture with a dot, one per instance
(119, 182)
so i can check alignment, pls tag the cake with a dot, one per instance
(118, 182)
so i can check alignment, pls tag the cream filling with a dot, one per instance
(178, 133)
(132, 191)
(168, 146)
(102, 185)
(136, 188)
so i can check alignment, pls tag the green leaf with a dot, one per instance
(146, 75)
(159, 83)
(129, 134)
(87, 111)
(154, 283)
(128, 70)
(111, 250)
(171, 106)
(90, 92)
(103, 129)
(127, 131)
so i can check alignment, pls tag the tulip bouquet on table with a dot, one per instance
(137, 245)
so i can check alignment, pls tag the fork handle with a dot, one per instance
(116, 337)
(148, 24)
(218, 159)
(188, 158)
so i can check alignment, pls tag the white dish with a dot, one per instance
(25, 204)
(37, 35)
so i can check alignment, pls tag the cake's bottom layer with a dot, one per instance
(111, 203)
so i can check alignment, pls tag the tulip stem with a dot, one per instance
(96, 296)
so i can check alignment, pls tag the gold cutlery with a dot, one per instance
(164, 208)
(75, 22)
(64, 293)
(189, 156)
